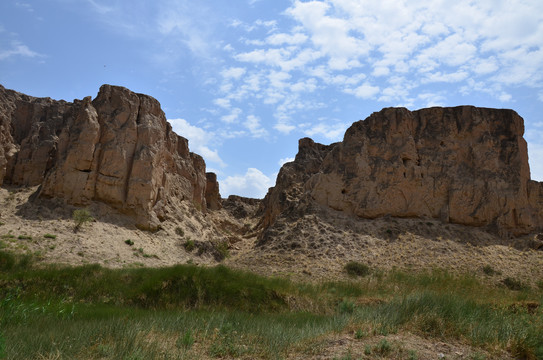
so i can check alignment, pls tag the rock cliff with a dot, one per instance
(117, 149)
(462, 165)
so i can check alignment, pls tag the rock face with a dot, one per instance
(117, 149)
(463, 165)
(213, 197)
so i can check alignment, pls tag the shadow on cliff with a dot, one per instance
(31, 207)
(320, 229)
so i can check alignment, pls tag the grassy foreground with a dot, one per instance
(190, 312)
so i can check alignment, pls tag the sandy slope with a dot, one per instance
(316, 246)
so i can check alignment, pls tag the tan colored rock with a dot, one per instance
(464, 165)
(213, 197)
(117, 149)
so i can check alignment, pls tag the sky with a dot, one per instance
(243, 80)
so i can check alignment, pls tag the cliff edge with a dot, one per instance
(117, 149)
(462, 165)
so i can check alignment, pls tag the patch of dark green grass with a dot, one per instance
(514, 284)
(10, 261)
(355, 268)
(185, 311)
(185, 286)
(189, 245)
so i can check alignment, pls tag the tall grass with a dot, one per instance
(179, 312)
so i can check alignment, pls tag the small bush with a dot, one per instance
(189, 245)
(50, 236)
(129, 242)
(354, 268)
(81, 217)
(514, 284)
(383, 347)
(489, 270)
(222, 249)
(24, 237)
(359, 334)
(179, 231)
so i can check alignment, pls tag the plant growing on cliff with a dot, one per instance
(189, 244)
(81, 217)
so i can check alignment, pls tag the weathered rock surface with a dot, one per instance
(463, 165)
(117, 149)
(213, 196)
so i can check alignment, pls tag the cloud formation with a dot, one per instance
(254, 183)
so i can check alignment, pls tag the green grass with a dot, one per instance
(190, 312)
(354, 268)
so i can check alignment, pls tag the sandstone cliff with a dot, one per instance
(117, 149)
(463, 165)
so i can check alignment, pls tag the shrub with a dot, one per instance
(129, 242)
(383, 347)
(189, 244)
(514, 284)
(24, 237)
(359, 334)
(488, 270)
(179, 231)
(354, 268)
(81, 217)
(49, 236)
(222, 249)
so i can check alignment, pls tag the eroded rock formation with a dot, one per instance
(117, 149)
(463, 165)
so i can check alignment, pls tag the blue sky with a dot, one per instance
(243, 80)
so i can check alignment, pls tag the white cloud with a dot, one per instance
(535, 154)
(284, 128)
(253, 125)
(332, 132)
(17, 49)
(364, 91)
(254, 183)
(199, 140)
(285, 160)
(232, 117)
(282, 38)
(222, 102)
(233, 73)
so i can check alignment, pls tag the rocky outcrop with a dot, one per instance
(463, 165)
(213, 196)
(117, 149)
